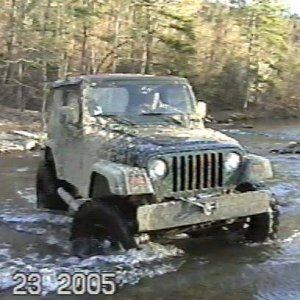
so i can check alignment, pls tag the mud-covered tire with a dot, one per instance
(99, 221)
(46, 188)
(263, 226)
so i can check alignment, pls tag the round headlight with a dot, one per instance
(232, 162)
(157, 168)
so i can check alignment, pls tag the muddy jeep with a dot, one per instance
(129, 156)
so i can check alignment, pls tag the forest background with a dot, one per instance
(238, 55)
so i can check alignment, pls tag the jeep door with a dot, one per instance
(70, 138)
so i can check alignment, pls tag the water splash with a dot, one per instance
(291, 239)
(51, 231)
(23, 170)
(32, 218)
(130, 267)
(28, 194)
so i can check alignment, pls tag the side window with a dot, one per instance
(54, 102)
(57, 97)
(48, 106)
(71, 99)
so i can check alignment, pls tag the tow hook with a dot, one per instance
(207, 207)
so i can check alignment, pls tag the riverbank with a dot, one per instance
(19, 131)
(252, 115)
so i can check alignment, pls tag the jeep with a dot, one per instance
(129, 156)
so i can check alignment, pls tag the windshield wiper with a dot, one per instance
(116, 118)
(166, 116)
(152, 113)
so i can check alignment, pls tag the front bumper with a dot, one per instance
(179, 213)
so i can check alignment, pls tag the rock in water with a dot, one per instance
(31, 145)
(291, 148)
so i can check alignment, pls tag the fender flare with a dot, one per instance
(257, 169)
(122, 179)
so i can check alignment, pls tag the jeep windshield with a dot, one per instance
(139, 98)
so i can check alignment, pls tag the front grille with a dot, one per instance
(197, 171)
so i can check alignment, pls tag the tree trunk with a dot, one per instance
(20, 89)
(116, 42)
(44, 96)
(11, 41)
(251, 58)
(83, 63)
(146, 59)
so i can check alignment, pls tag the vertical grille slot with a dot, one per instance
(214, 170)
(175, 173)
(197, 172)
(182, 173)
(205, 171)
(191, 172)
(220, 169)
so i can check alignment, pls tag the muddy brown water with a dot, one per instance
(219, 268)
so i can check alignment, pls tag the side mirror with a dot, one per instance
(201, 109)
(68, 115)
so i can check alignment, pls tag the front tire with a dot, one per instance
(93, 224)
(259, 228)
(263, 226)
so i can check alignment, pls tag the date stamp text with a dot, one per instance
(77, 283)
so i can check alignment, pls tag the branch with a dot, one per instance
(23, 60)
(110, 53)
(23, 84)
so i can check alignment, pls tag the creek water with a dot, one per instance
(215, 268)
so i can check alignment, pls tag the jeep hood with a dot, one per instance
(135, 147)
(168, 136)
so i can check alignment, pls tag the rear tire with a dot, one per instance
(46, 188)
(96, 222)
(263, 226)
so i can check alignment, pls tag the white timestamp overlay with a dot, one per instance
(77, 283)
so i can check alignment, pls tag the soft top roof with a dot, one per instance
(101, 78)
